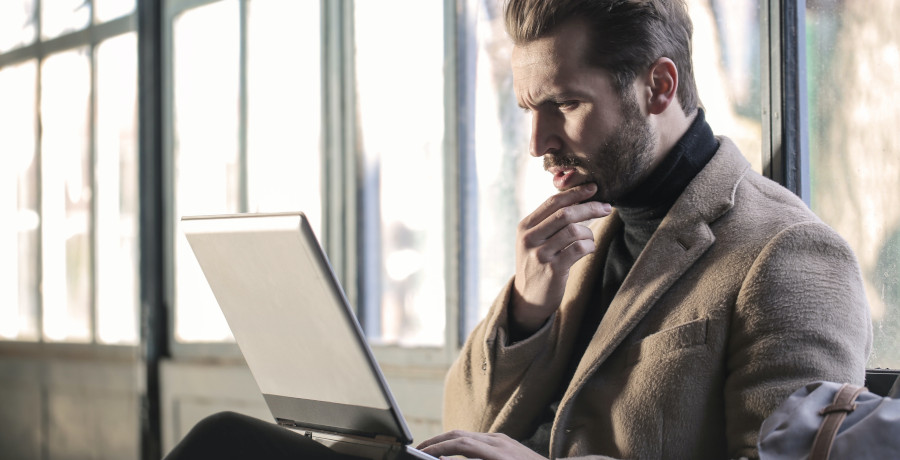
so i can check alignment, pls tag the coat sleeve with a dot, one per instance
(486, 375)
(800, 316)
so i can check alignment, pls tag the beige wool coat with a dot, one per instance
(740, 297)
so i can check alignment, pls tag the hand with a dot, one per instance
(548, 242)
(484, 446)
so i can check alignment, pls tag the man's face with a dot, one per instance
(585, 130)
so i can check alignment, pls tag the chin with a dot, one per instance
(599, 197)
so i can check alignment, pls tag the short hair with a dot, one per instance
(628, 35)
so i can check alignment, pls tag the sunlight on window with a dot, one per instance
(17, 25)
(116, 191)
(852, 67)
(66, 196)
(104, 10)
(727, 70)
(206, 70)
(18, 203)
(401, 112)
(284, 108)
(62, 16)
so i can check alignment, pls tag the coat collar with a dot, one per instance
(681, 239)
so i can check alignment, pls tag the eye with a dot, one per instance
(567, 105)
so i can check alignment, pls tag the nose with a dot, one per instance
(544, 135)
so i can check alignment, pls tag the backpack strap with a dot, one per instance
(835, 414)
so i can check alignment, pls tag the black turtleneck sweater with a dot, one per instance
(641, 211)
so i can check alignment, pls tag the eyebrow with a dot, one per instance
(554, 98)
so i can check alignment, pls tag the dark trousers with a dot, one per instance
(232, 436)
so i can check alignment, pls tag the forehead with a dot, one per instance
(555, 63)
(563, 49)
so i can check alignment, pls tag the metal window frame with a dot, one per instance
(785, 120)
(154, 308)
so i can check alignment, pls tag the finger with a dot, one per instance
(562, 199)
(489, 439)
(574, 252)
(564, 216)
(469, 447)
(551, 248)
(453, 434)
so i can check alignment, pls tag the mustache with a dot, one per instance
(561, 161)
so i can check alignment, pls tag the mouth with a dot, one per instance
(564, 177)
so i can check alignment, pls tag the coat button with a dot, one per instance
(484, 365)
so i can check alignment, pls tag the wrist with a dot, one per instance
(523, 319)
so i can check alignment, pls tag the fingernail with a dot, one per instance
(591, 187)
(606, 207)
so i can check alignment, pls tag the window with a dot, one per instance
(20, 237)
(70, 260)
(245, 113)
(853, 57)
(400, 94)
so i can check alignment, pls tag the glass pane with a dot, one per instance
(61, 16)
(19, 237)
(104, 10)
(117, 191)
(206, 62)
(283, 70)
(853, 59)
(727, 70)
(511, 184)
(66, 196)
(401, 113)
(17, 23)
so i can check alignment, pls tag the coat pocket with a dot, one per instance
(668, 341)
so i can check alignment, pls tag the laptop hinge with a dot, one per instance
(385, 438)
(308, 431)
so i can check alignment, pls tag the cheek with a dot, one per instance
(588, 132)
(580, 129)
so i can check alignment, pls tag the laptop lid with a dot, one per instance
(293, 324)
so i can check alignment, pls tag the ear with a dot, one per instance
(663, 79)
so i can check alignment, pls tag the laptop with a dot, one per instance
(297, 332)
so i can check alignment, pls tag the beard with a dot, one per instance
(619, 164)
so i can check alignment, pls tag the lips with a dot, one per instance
(564, 177)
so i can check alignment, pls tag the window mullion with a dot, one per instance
(793, 90)
(785, 128)
(92, 179)
(153, 199)
(243, 189)
(39, 187)
(466, 210)
(770, 91)
(338, 144)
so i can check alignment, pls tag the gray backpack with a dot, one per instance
(830, 420)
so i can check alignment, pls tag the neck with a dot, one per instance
(671, 126)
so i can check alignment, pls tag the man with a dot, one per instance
(672, 326)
